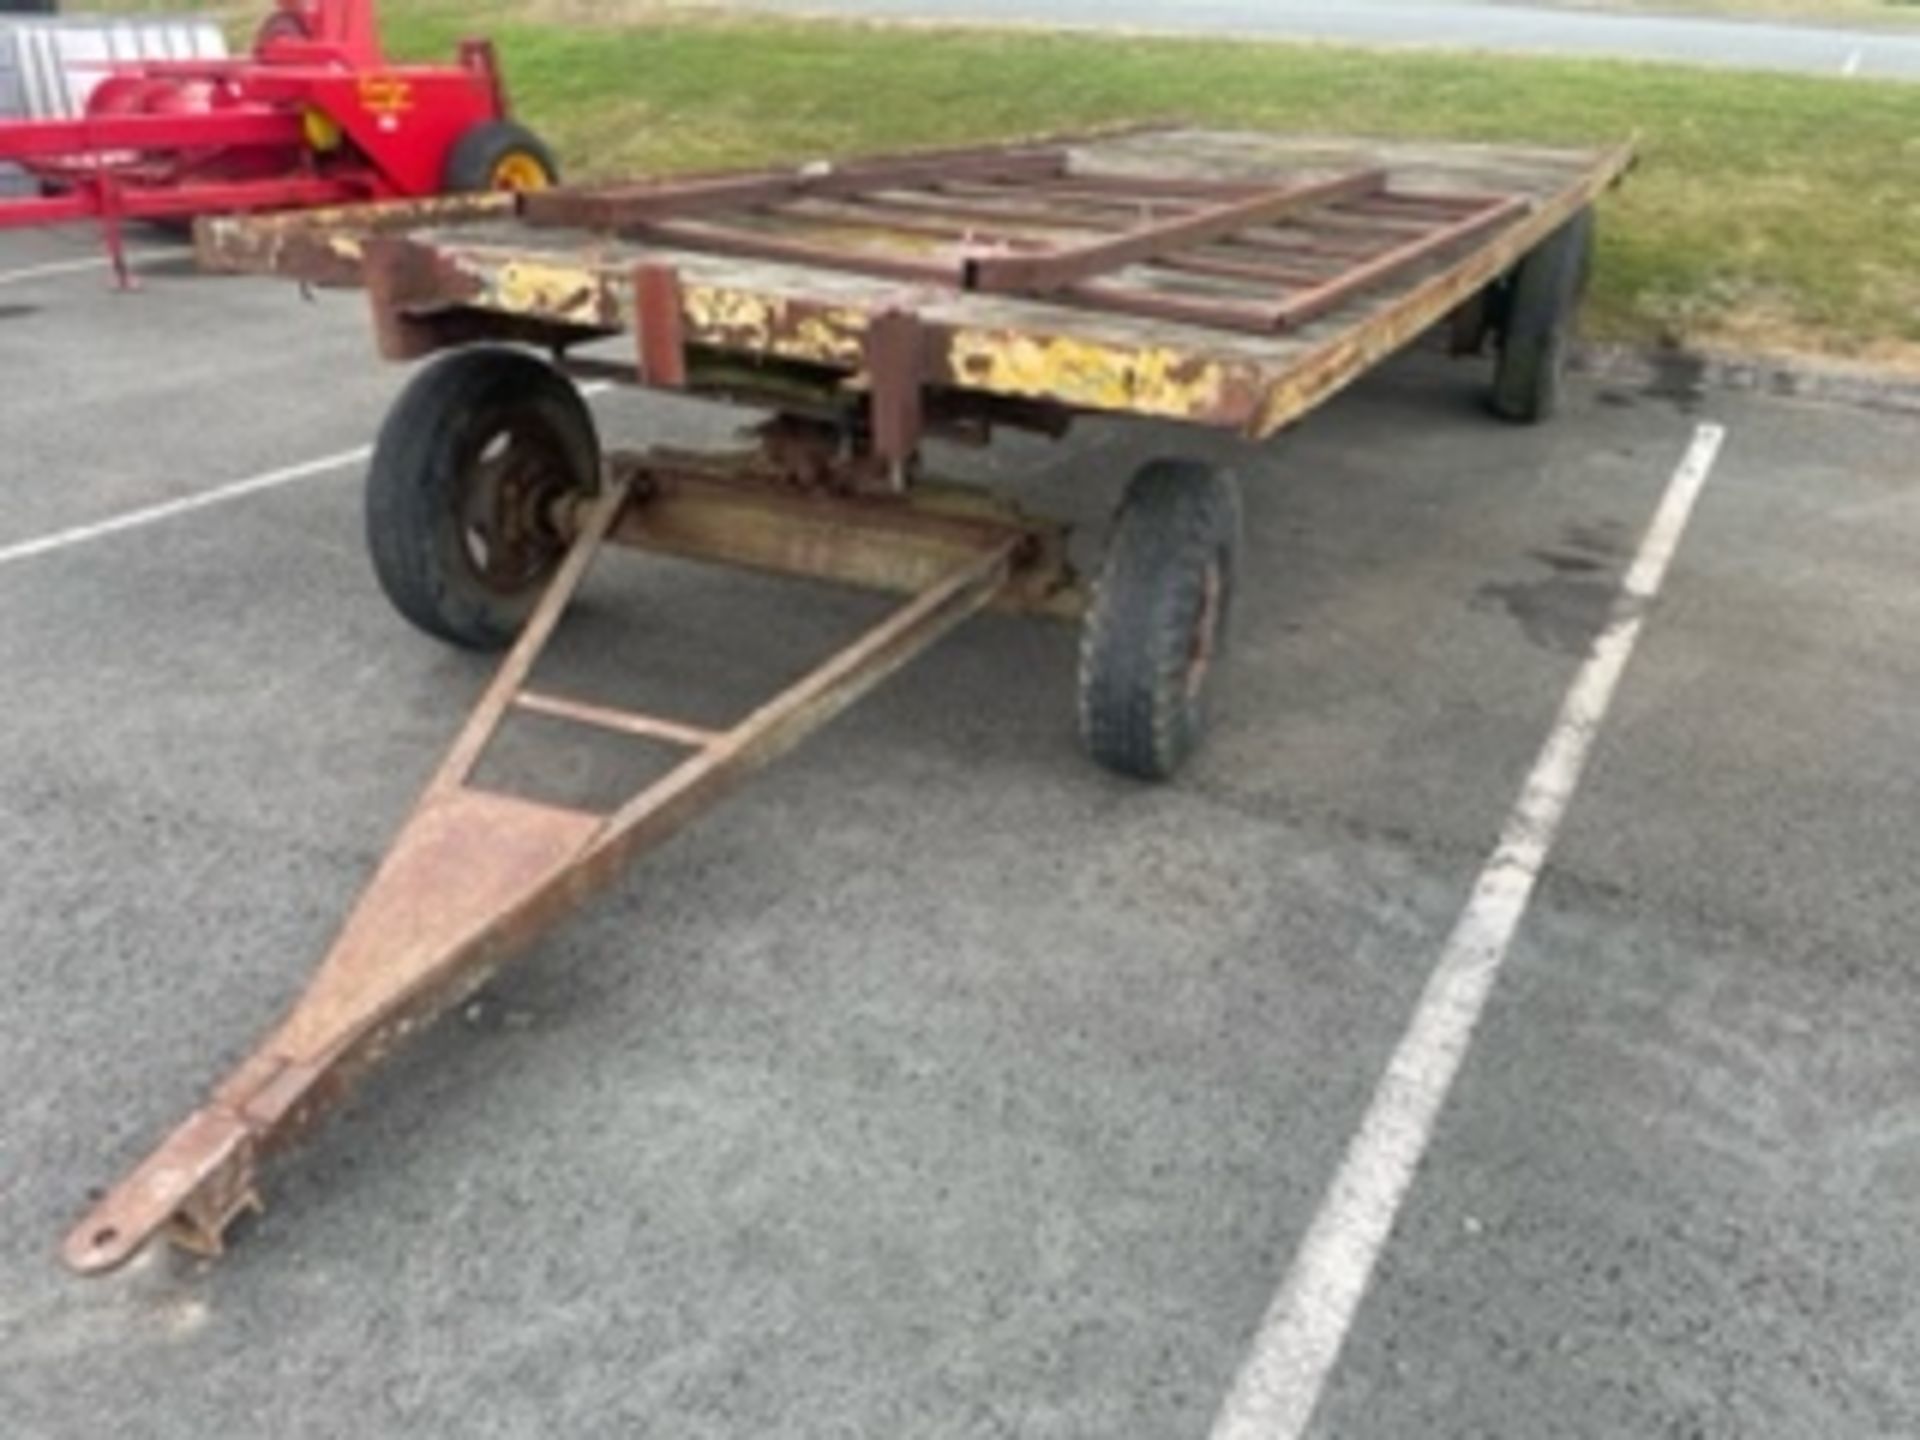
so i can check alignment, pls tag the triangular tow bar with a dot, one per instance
(475, 875)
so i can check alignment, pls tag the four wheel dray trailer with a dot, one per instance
(1226, 280)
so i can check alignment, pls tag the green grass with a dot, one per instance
(1768, 212)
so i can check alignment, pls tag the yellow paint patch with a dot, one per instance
(1150, 380)
(734, 312)
(743, 320)
(534, 287)
(832, 336)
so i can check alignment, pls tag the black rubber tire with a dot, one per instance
(434, 449)
(1152, 640)
(280, 25)
(1536, 323)
(476, 156)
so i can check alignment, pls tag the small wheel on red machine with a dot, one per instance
(1152, 640)
(465, 491)
(1534, 322)
(281, 24)
(499, 155)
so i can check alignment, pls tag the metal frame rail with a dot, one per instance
(998, 219)
(475, 875)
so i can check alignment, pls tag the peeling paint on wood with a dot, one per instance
(1021, 347)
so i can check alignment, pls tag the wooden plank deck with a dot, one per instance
(486, 257)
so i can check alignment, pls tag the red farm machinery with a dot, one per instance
(314, 114)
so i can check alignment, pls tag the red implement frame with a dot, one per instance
(316, 115)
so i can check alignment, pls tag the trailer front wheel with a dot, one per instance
(1152, 639)
(462, 491)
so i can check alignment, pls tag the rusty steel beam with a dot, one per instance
(420, 303)
(474, 877)
(324, 247)
(1331, 293)
(1339, 223)
(896, 367)
(1257, 271)
(1429, 204)
(1225, 313)
(916, 207)
(553, 207)
(1324, 295)
(1335, 357)
(1165, 187)
(1037, 272)
(659, 327)
(766, 245)
(1054, 207)
(855, 214)
(404, 283)
(1044, 274)
(464, 882)
(620, 207)
(608, 717)
(1065, 192)
(1316, 239)
(1032, 355)
(707, 510)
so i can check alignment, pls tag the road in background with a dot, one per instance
(1455, 24)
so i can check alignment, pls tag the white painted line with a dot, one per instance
(91, 262)
(1851, 65)
(219, 495)
(168, 509)
(1280, 1383)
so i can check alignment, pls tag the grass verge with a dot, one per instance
(1770, 212)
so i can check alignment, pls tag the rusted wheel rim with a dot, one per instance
(1206, 630)
(506, 528)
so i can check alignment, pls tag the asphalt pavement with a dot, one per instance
(1756, 44)
(939, 1085)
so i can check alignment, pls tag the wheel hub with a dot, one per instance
(518, 172)
(1206, 631)
(507, 526)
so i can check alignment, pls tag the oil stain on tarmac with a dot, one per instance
(1565, 609)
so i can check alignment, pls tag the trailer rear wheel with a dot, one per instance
(1151, 643)
(462, 489)
(499, 155)
(1535, 327)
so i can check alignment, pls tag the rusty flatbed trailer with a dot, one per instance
(864, 306)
